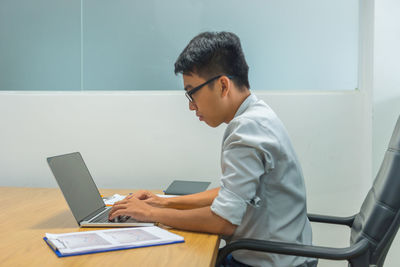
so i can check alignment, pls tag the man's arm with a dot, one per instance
(198, 219)
(192, 201)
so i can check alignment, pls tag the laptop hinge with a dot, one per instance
(91, 215)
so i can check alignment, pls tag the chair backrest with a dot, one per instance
(379, 216)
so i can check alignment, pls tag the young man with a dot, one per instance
(262, 193)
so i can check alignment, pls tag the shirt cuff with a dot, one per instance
(229, 206)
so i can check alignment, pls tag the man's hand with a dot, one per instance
(196, 219)
(149, 198)
(133, 207)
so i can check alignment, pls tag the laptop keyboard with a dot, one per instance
(103, 218)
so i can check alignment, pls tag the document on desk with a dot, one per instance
(78, 243)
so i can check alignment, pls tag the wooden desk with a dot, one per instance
(28, 213)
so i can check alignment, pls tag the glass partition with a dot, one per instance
(132, 45)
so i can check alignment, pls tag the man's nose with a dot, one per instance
(192, 106)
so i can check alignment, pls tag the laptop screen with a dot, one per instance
(76, 183)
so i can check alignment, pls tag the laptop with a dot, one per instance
(82, 195)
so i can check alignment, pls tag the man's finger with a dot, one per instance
(124, 201)
(116, 214)
(115, 208)
(141, 195)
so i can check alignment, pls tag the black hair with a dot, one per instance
(214, 53)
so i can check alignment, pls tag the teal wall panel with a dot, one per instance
(132, 45)
(289, 45)
(124, 47)
(40, 45)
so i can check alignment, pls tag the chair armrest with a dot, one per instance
(331, 219)
(294, 249)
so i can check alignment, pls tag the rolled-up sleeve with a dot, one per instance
(229, 206)
(243, 163)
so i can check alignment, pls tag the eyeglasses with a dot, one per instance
(189, 94)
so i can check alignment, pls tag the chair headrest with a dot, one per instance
(395, 140)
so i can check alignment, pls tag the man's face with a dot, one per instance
(207, 101)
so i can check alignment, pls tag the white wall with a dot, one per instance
(146, 140)
(386, 100)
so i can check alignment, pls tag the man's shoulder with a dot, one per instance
(259, 124)
(257, 115)
(253, 125)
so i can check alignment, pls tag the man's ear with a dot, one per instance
(225, 85)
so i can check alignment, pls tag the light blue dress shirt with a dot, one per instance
(262, 186)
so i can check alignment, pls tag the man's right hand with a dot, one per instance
(149, 198)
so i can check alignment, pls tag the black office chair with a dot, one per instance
(372, 229)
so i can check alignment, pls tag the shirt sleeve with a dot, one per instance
(243, 163)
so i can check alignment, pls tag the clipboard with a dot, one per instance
(58, 253)
(90, 242)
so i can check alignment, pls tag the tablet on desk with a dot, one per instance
(180, 187)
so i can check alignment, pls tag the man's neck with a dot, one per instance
(237, 100)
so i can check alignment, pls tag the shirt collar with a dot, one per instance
(245, 104)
